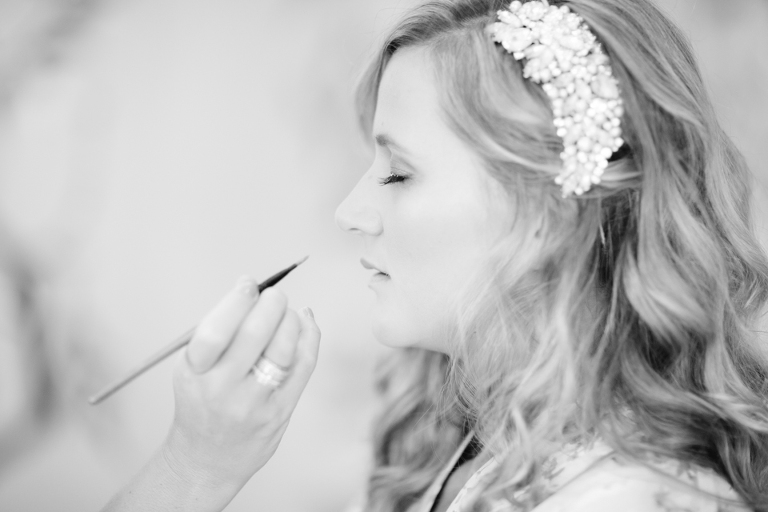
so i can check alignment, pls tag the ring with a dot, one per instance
(269, 373)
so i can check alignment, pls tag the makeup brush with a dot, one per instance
(175, 345)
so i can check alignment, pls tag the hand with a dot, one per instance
(227, 425)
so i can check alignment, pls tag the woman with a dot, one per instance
(559, 230)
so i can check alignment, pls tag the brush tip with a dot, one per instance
(302, 260)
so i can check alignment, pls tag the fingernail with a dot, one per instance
(247, 286)
(308, 313)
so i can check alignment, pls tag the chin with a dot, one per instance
(387, 335)
(392, 335)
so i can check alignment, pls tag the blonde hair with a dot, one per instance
(634, 321)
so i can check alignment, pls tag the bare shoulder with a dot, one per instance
(615, 485)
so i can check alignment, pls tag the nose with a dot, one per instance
(357, 213)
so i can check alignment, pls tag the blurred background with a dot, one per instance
(151, 151)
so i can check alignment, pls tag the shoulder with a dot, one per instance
(617, 485)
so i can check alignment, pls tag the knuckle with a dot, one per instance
(311, 326)
(211, 393)
(291, 322)
(265, 413)
(253, 327)
(242, 412)
(307, 359)
(287, 332)
(275, 298)
(280, 352)
(310, 341)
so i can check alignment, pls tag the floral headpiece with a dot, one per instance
(564, 56)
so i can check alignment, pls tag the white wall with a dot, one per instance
(181, 144)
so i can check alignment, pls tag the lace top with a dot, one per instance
(593, 478)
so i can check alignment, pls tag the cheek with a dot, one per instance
(435, 244)
(439, 241)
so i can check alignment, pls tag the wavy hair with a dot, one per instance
(635, 318)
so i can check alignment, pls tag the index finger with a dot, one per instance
(215, 332)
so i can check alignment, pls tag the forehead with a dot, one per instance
(407, 99)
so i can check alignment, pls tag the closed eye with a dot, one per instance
(392, 178)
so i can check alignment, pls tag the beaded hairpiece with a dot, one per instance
(564, 56)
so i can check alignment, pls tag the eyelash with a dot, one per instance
(392, 178)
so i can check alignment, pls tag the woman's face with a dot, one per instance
(426, 209)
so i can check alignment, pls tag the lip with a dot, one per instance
(370, 266)
(378, 278)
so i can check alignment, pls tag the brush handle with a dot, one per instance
(175, 345)
(151, 361)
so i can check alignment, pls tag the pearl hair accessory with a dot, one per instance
(564, 56)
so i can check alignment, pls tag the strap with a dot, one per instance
(429, 498)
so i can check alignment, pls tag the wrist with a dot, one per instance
(202, 480)
(173, 481)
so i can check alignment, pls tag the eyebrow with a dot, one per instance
(385, 141)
